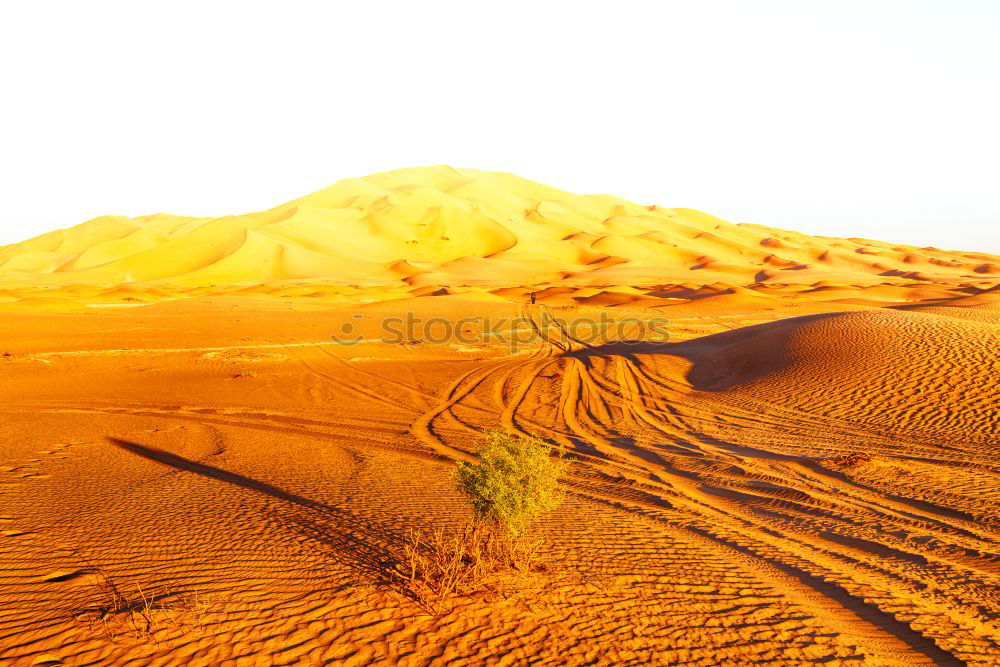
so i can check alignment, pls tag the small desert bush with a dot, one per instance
(514, 480)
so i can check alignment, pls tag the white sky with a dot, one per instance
(872, 118)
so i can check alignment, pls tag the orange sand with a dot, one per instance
(804, 472)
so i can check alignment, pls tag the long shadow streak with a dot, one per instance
(181, 463)
(348, 536)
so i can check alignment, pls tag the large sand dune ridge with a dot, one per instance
(445, 226)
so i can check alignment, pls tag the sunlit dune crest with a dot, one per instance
(462, 228)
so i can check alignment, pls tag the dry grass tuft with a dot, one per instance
(436, 565)
(852, 460)
(129, 612)
(125, 611)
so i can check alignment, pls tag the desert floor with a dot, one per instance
(791, 480)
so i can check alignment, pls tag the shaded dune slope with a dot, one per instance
(912, 371)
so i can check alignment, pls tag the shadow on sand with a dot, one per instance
(721, 360)
(364, 546)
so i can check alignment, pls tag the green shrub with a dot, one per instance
(514, 480)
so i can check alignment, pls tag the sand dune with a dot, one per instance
(899, 371)
(799, 469)
(460, 227)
